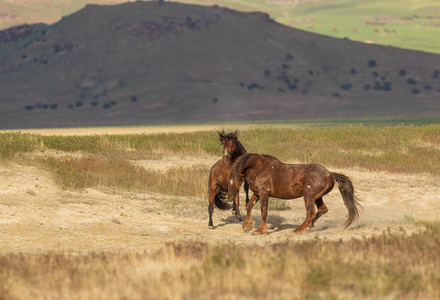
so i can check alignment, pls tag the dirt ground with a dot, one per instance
(38, 216)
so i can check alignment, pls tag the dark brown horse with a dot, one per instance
(269, 177)
(220, 173)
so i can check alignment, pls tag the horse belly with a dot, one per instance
(286, 187)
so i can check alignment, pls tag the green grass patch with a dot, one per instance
(407, 24)
(409, 149)
(13, 143)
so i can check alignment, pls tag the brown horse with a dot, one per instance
(269, 177)
(220, 173)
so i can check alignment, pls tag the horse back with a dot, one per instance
(287, 181)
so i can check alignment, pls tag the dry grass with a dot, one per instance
(118, 173)
(408, 149)
(386, 266)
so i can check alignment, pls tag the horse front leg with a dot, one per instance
(248, 223)
(237, 208)
(264, 206)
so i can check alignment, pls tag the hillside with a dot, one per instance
(151, 63)
(409, 24)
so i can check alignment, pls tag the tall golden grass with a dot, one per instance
(388, 266)
(119, 173)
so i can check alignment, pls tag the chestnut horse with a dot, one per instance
(269, 177)
(220, 173)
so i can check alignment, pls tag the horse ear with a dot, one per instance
(221, 135)
(234, 135)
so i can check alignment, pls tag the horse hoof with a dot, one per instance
(297, 232)
(258, 232)
(211, 227)
(246, 230)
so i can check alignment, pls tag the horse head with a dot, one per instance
(229, 142)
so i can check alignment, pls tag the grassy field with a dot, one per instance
(388, 265)
(411, 24)
(388, 148)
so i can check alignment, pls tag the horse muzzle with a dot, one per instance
(226, 153)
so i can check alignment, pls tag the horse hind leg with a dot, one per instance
(212, 193)
(310, 214)
(322, 209)
(246, 190)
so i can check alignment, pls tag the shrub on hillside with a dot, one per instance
(292, 86)
(387, 86)
(346, 86)
(411, 81)
(252, 86)
(372, 63)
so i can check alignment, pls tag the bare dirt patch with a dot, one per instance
(38, 216)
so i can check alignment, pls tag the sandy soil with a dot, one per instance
(38, 216)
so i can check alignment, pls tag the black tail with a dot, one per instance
(220, 200)
(350, 200)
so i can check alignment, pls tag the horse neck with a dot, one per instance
(239, 151)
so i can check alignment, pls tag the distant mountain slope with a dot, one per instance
(152, 62)
(409, 24)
